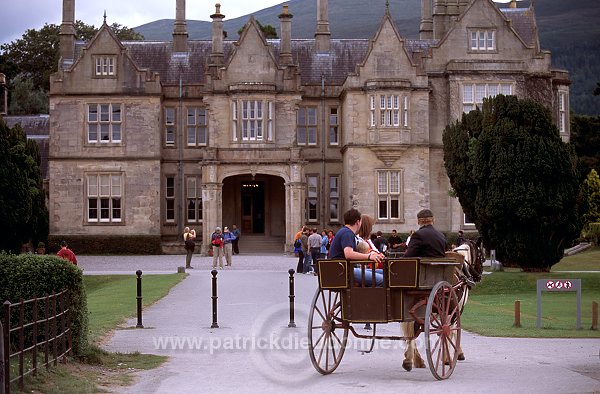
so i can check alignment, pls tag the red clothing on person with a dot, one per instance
(67, 254)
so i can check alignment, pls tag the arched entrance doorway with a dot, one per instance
(256, 204)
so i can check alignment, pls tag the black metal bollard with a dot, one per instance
(139, 299)
(214, 299)
(291, 323)
(367, 326)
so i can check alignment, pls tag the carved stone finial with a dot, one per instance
(218, 8)
(105, 17)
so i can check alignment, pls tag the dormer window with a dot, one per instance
(105, 66)
(482, 40)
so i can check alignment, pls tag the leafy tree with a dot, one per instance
(125, 33)
(35, 55)
(516, 179)
(585, 139)
(268, 30)
(23, 213)
(591, 197)
(26, 99)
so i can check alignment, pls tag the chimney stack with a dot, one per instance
(216, 57)
(67, 33)
(180, 34)
(322, 35)
(426, 28)
(285, 20)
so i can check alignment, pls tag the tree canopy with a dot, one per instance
(23, 212)
(591, 198)
(585, 138)
(268, 30)
(516, 179)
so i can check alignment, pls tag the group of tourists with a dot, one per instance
(223, 243)
(356, 241)
(311, 245)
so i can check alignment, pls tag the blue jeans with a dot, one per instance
(307, 262)
(368, 277)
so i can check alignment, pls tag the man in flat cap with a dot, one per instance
(427, 241)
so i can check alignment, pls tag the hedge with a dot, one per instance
(107, 244)
(28, 276)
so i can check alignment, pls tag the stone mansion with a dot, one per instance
(148, 137)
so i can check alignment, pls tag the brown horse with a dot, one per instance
(465, 277)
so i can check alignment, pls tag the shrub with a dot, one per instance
(594, 232)
(28, 276)
(108, 244)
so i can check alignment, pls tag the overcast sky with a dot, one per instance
(16, 16)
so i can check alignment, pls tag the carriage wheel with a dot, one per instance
(442, 330)
(327, 335)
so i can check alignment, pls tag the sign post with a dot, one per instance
(558, 285)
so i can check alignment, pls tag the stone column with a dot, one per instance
(295, 191)
(212, 203)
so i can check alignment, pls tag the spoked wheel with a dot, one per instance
(442, 330)
(327, 335)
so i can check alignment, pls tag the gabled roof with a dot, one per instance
(523, 21)
(343, 58)
(158, 56)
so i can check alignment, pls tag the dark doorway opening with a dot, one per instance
(253, 207)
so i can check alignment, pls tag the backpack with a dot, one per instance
(298, 243)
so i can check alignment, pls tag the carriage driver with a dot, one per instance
(344, 245)
(427, 241)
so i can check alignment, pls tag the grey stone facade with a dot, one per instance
(149, 137)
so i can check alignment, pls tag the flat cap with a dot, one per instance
(424, 213)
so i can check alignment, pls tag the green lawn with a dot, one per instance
(112, 298)
(585, 261)
(111, 301)
(490, 309)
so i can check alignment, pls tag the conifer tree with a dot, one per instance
(516, 179)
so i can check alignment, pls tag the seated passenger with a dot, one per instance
(344, 246)
(426, 241)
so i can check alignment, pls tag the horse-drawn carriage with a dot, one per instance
(426, 292)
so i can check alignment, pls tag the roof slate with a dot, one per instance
(523, 21)
(334, 66)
